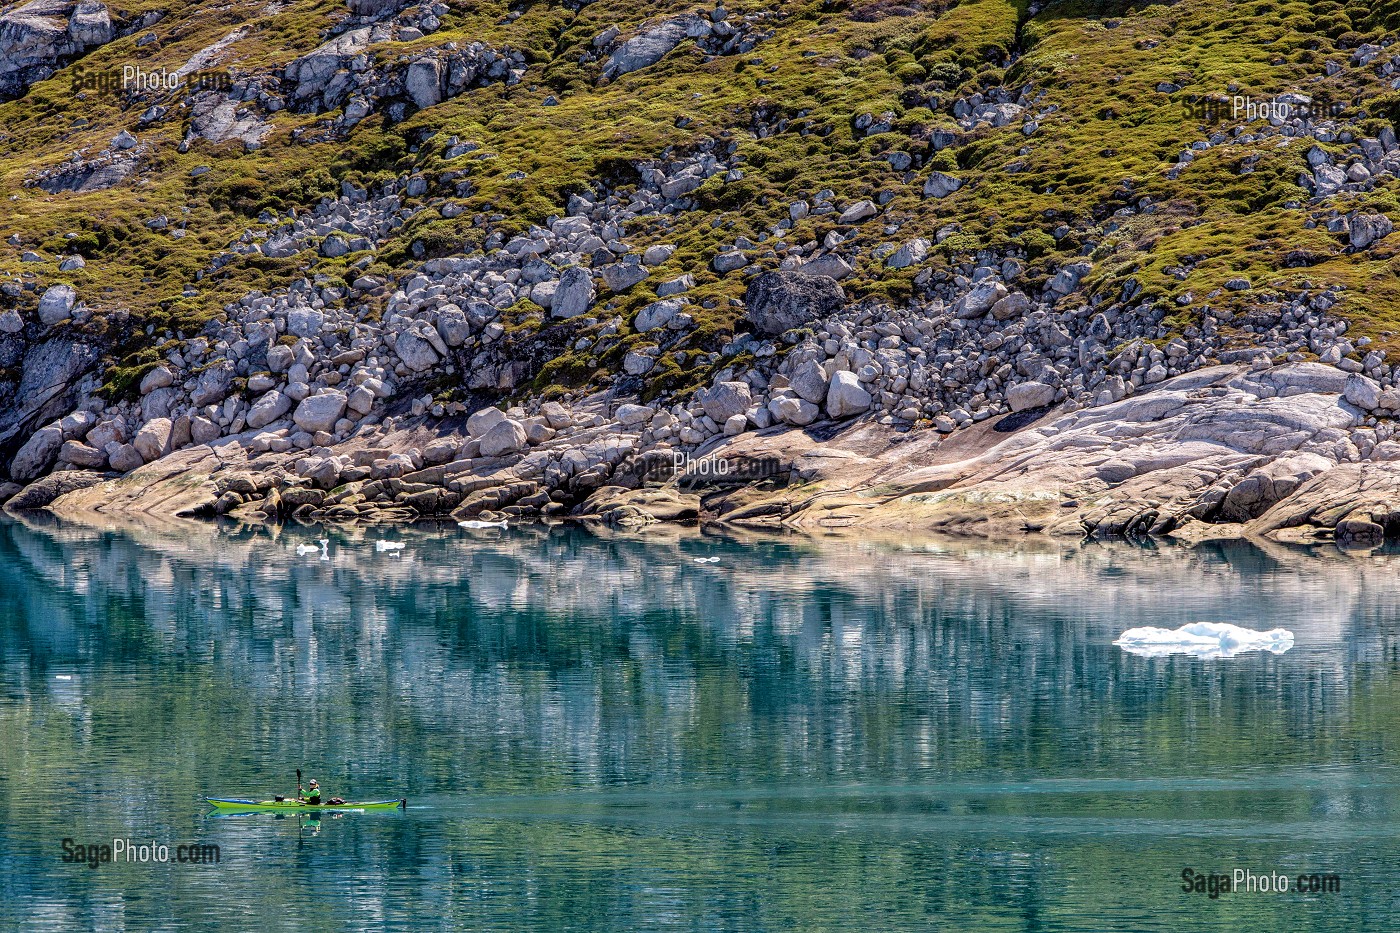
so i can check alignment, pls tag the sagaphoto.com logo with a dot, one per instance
(137, 852)
(133, 79)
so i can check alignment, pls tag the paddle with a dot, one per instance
(299, 795)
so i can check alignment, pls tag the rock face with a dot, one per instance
(39, 37)
(42, 493)
(780, 301)
(653, 44)
(1221, 445)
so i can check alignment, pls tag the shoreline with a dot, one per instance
(1226, 452)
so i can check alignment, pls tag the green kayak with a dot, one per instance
(225, 803)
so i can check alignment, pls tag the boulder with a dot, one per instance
(556, 415)
(845, 396)
(423, 82)
(56, 304)
(305, 322)
(158, 378)
(657, 253)
(360, 400)
(1366, 229)
(658, 314)
(726, 400)
(106, 431)
(268, 408)
(280, 358)
(828, 264)
(910, 254)
(204, 430)
(76, 424)
(90, 25)
(1013, 305)
(213, 384)
(861, 210)
(153, 440)
(574, 295)
(1067, 278)
(80, 454)
(320, 412)
(780, 301)
(980, 299)
(620, 276)
(1030, 395)
(416, 352)
(506, 437)
(37, 454)
(484, 420)
(941, 184)
(629, 415)
(123, 457)
(1363, 392)
(794, 411)
(453, 326)
(730, 261)
(809, 381)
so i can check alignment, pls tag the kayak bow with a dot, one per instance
(225, 803)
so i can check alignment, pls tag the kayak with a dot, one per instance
(225, 803)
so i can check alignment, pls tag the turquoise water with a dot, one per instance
(596, 732)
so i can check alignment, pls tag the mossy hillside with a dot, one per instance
(1107, 145)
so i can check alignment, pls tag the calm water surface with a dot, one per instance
(596, 732)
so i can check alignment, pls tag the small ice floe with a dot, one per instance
(477, 523)
(304, 550)
(1203, 640)
(390, 546)
(707, 560)
(62, 676)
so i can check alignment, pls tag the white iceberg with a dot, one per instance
(1203, 640)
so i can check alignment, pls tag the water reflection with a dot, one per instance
(619, 731)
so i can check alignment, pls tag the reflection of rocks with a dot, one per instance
(882, 614)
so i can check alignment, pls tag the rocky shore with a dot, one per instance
(1227, 451)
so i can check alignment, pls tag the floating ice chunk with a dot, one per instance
(388, 546)
(707, 560)
(478, 523)
(1203, 640)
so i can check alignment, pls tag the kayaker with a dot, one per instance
(313, 792)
